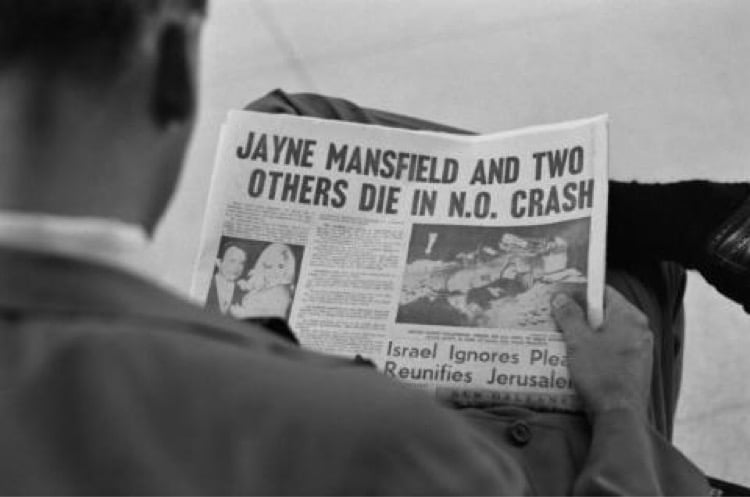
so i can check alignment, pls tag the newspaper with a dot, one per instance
(433, 255)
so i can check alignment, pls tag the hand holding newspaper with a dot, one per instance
(433, 255)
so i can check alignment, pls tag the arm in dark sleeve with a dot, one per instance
(338, 109)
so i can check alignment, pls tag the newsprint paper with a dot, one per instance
(433, 255)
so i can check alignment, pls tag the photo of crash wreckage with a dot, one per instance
(505, 284)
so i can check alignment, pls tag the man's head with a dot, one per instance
(97, 100)
(231, 263)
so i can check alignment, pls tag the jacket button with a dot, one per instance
(519, 433)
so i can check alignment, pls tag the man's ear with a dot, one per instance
(173, 98)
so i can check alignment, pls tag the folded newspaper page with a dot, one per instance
(433, 255)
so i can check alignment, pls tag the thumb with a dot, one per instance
(569, 317)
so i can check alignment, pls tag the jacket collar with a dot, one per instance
(35, 282)
(101, 240)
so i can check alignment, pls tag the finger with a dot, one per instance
(569, 316)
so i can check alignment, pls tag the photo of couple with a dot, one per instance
(254, 278)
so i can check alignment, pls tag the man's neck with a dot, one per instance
(64, 154)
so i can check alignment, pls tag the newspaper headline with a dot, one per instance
(433, 255)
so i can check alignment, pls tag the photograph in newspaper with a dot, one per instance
(254, 278)
(492, 277)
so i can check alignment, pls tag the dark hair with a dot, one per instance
(226, 246)
(89, 38)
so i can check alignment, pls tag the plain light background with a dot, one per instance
(673, 76)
